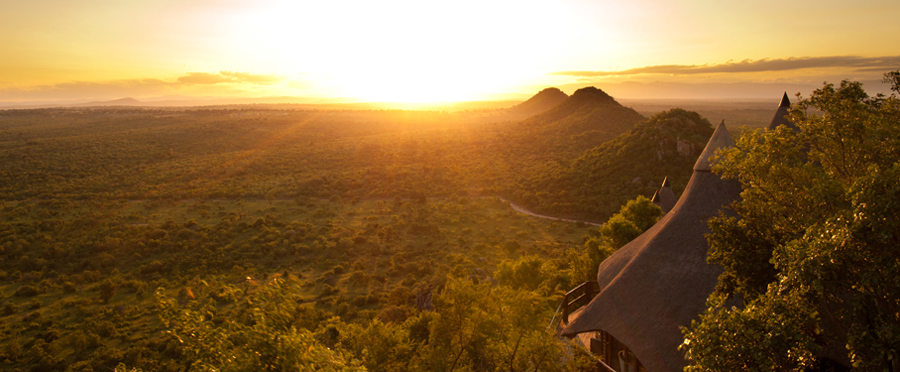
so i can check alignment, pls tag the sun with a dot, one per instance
(402, 51)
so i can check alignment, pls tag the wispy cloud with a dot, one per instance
(216, 83)
(761, 65)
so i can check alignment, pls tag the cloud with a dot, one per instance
(228, 77)
(862, 64)
(196, 83)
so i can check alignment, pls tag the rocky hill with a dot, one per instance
(595, 184)
(586, 119)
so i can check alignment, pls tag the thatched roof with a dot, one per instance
(665, 198)
(781, 115)
(660, 281)
(720, 139)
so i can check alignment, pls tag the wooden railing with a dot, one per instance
(578, 297)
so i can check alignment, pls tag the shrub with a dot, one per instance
(107, 290)
(186, 234)
(27, 291)
(69, 287)
(10, 308)
(393, 314)
(157, 234)
(359, 278)
(328, 290)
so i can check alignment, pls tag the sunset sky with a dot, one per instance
(58, 50)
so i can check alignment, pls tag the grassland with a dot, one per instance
(363, 215)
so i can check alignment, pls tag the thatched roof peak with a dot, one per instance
(666, 182)
(785, 101)
(781, 115)
(720, 139)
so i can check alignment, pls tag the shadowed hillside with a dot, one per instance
(604, 177)
(586, 119)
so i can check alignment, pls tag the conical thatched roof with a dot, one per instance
(665, 198)
(660, 281)
(781, 115)
(720, 139)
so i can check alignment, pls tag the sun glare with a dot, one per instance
(404, 51)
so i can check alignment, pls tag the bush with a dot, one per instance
(10, 308)
(186, 234)
(27, 291)
(393, 314)
(107, 290)
(328, 290)
(69, 287)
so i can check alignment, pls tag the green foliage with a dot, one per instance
(479, 327)
(27, 291)
(631, 221)
(780, 338)
(264, 338)
(525, 273)
(813, 255)
(641, 212)
(107, 290)
(476, 327)
(893, 78)
(379, 346)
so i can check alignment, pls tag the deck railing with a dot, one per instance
(578, 297)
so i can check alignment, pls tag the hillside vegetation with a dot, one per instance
(634, 163)
(124, 228)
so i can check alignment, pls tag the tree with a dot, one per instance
(893, 78)
(631, 221)
(480, 327)
(262, 338)
(107, 290)
(813, 256)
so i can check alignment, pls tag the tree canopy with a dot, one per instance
(813, 255)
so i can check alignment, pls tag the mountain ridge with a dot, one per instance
(127, 101)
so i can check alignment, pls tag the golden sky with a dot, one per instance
(391, 50)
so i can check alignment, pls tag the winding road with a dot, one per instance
(521, 209)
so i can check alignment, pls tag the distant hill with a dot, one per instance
(588, 118)
(541, 102)
(589, 109)
(634, 163)
(116, 102)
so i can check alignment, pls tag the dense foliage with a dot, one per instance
(78, 283)
(813, 255)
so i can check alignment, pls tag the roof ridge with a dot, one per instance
(719, 139)
(785, 101)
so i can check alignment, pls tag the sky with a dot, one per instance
(414, 51)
